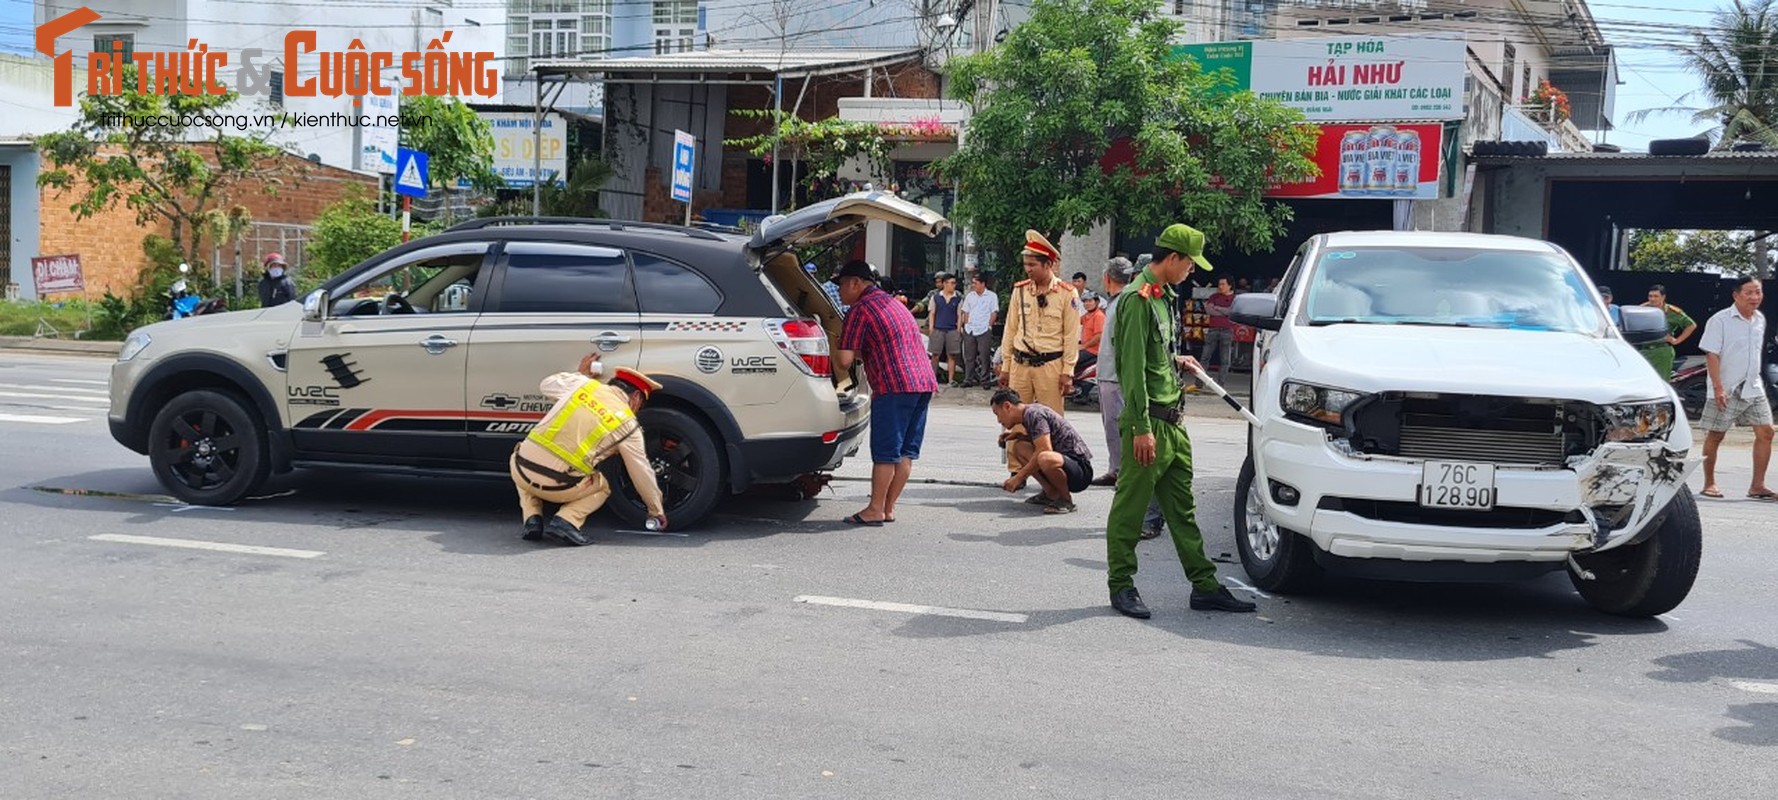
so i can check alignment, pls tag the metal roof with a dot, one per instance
(799, 63)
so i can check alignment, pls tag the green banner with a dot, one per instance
(1236, 57)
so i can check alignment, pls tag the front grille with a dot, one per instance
(1503, 517)
(1475, 428)
(1434, 443)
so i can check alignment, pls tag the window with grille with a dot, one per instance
(104, 43)
(555, 29)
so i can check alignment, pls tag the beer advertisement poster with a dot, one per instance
(1373, 161)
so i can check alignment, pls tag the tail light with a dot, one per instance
(804, 344)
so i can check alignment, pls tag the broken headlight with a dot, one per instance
(1318, 404)
(1638, 422)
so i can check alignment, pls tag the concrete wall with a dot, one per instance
(27, 98)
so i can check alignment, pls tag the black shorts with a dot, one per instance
(1080, 473)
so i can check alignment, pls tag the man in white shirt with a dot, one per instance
(1733, 342)
(979, 310)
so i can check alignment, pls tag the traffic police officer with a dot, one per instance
(557, 461)
(1042, 339)
(1156, 450)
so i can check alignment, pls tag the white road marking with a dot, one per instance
(39, 420)
(71, 398)
(193, 544)
(80, 380)
(180, 508)
(1755, 687)
(908, 608)
(650, 533)
(36, 387)
(1249, 589)
(1668, 617)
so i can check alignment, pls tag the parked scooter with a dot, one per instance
(1086, 386)
(181, 303)
(1692, 382)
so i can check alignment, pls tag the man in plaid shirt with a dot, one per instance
(881, 333)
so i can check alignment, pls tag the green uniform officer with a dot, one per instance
(1680, 327)
(1157, 453)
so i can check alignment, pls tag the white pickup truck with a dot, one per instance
(1439, 406)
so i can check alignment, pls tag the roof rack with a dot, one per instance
(614, 224)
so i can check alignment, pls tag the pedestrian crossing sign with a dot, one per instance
(411, 177)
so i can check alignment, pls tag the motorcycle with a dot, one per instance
(1086, 386)
(1691, 380)
(181, 303)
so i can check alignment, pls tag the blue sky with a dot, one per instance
(16, 18)
(1650, 76)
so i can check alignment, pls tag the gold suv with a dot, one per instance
(426, 359)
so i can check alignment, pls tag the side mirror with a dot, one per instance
(1257, 310)
(1643, 324)
(315, 306)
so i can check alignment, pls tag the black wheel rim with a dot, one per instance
(678, 469)
(202, 450)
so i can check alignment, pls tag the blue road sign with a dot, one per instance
(411, 176)
(684, 154)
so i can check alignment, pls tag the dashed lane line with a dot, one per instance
(194, 544)
(36, 419)
(909, 608)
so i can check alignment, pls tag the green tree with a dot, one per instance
(458, 143)
(175, 171)
(1081, 75)
(1736, 56)
(1732, 252)
(818, 149)
(347, 232)
(576, 197)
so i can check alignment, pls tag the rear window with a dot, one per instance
(669, 287)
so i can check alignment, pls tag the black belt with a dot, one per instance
(1034, 359)
(1172, 415)
(569, 480)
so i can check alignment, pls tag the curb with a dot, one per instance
(60, 346)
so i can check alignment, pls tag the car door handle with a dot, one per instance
(436, 344)
(609, 340)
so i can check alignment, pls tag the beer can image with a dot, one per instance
(1407, 163)
(1380, 151)
(1352, 162)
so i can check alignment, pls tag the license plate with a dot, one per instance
(1456, 484)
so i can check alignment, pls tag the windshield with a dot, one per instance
(1455, 287)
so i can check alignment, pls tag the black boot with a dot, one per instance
(533, 528)
(1129, 603)
(1219, 600)
(560, 530)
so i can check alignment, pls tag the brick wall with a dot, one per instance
(110, 243)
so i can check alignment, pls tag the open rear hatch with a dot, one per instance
(776, 240)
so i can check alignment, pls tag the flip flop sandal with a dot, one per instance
(1059, 508)
(859, 520)
(1766, 496)
(1037, 500)
(1711, 493)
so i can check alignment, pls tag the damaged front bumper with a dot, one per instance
(1358, 505)
(1625, 487)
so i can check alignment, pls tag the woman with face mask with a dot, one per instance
(276, 288)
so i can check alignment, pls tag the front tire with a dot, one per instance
(687, 464)
(1276, 559)
(208, 448)
(1653, 576)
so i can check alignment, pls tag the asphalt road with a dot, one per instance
(401, 641)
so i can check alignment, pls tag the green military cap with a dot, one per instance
(1186, 239)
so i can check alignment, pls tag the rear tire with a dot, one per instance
(1276, 559)
(688, 466)
(208, 448)
(1651, 577)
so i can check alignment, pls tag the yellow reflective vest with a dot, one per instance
(586, 427)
